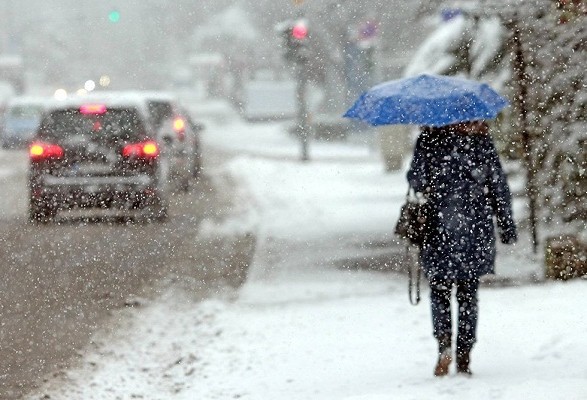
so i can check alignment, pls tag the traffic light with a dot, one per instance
(114, 16)
(299, 31)
(296, 40)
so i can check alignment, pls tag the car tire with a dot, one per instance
(184, 183)
(157, 210)
(197, 167)
(40, 212)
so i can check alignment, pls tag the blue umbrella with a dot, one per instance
(427, 100)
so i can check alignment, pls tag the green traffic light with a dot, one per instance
(114, 16)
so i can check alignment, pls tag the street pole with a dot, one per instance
(302, 114)
(520, 99)
(302, 111)
(296, 42)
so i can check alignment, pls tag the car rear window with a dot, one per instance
(111, 125)
(159, 111)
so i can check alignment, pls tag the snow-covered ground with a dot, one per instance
(304, 327)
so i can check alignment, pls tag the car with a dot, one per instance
(20, 121)
(193, 132)
(180, 132)
(98, 154)
(173, 123)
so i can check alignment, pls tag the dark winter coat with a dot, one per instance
(462, 178)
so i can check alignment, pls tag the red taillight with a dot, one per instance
(41, 151)
(145, 150)
(179, 125)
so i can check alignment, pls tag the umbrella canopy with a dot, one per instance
(427, 100)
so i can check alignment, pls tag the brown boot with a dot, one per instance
(463, 360)
(444, 360)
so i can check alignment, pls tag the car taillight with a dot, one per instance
(144, 150)
(179, 125)
(39, 151)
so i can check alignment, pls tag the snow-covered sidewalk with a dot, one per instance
(302, 327)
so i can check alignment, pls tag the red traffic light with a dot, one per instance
(299, 31)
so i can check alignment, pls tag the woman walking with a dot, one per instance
(457, 169)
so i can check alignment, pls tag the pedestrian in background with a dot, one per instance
(457, 169)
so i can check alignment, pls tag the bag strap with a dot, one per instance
(413, 286)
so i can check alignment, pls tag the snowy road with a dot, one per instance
(309, 322)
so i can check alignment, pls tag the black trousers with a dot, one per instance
(466, 294)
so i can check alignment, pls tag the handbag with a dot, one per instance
(411, 224)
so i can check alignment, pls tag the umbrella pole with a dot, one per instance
(522, 95)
